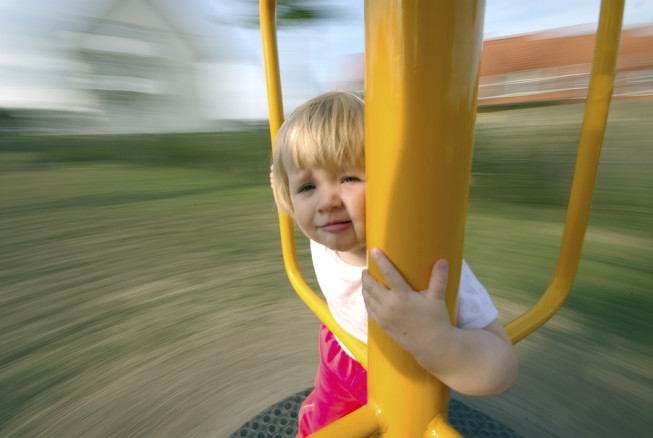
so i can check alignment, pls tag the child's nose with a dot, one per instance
(329, 199)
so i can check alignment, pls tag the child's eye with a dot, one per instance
(306, 188)
(351, 179)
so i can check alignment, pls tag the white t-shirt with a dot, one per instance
(341, 285)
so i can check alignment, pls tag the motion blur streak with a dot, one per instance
(142, 291)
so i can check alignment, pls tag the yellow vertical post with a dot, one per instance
(422, 66)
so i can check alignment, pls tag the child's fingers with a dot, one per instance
(372, 288)
(392, 276)
(439, 278)
(383, 305)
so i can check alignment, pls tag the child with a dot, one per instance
(318, 177)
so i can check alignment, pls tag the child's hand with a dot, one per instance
(473, 362)
(418, 322)
(272, 176)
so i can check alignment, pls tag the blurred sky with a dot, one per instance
(310, 56)
(315, 53)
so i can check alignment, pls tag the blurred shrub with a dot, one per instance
(527, 156)
(522, 155)
(237, 151)
(522, 166)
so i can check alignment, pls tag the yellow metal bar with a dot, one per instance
(363, 422)
(587, 162)
(421, 81)
(422, 67)
(267, 12)
(439, 428)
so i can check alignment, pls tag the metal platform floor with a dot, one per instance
(280, 421)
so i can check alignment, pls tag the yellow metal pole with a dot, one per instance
(362, 423)
(267, 15)
(439, 428)
(421, 81)
(422, 66)
(587, 163)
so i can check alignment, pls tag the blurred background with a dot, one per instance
(106, 66)
(142, 291)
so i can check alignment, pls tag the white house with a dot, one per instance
(121, 66)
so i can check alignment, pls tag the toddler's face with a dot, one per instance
(329, 206)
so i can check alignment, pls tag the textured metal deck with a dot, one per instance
(280, 421)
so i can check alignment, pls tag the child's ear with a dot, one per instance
(272, 176)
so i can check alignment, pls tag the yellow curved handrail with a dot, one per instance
(599, 95)
(267, 10)
(371, 418)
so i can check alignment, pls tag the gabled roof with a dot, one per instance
(207, 39)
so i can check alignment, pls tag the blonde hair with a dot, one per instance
(326, 131)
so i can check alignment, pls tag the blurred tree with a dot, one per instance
(293, 12)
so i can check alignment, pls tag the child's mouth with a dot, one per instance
(334, 227)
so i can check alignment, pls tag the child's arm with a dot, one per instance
(473, 362)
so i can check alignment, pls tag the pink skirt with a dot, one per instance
(340, 387)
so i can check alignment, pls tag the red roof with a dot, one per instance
(550, 49)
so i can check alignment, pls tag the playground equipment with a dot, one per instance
(422, 64)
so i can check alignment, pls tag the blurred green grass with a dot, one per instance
(114, 247)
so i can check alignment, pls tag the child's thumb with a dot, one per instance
(439, 276)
